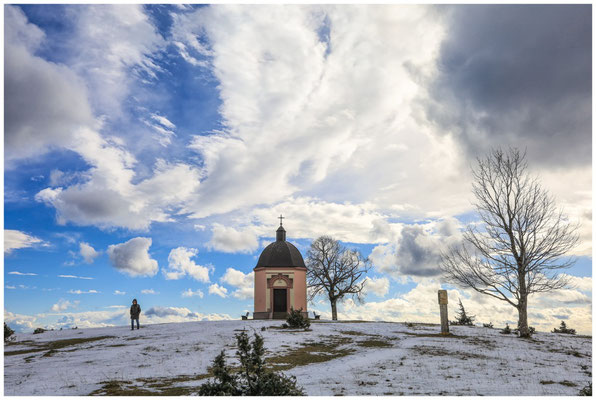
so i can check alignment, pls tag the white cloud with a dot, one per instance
(116, 316)
(84, 319)
(244, 283)
(132, 257)
(307, 217)
(583, 284)
(218, 290)
(181, 265)
(87, 252)
(190, 293)
(19, 322)
(64, 304)
(54, 91)
(108, 198)
(21, 273)
(112, 48)
(74, 277)
(572, 190)
(149, 291)
(279, 95)
(118, 292)
(10, 287)
(104, 195)
(164, 129)
(158, 315)
(14, 239)
(378, 286)
(164, 135)
(163, 121)
(418, 249)
(79, 291)
(230, 240)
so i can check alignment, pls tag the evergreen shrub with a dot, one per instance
(563, 329)
(8, 333)
(461, 318)
(506, 330)
(252, 377)
(586, 390)
(296, 320)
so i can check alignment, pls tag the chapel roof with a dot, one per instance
(280, 253)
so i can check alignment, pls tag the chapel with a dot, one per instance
(280, 279)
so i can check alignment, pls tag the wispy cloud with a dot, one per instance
(78, 291)
(22, 273)
(74, 277)
(14, 240)
(191, 293)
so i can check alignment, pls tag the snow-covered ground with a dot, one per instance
(349, 358)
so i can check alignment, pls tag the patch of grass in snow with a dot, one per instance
(51, 347)
(20, 343)
(484, 343)
(440, 335)
(374, 343)
(356, 321)
(150, 387)
(311, 353)
(438, 351)
(121, 388)
(50, 353)
(415, 324)
(24, 351)
(574, 353)
(28, 359)
(356, 333)
(564, 383)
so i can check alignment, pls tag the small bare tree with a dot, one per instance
(524, 241)
(335, 271)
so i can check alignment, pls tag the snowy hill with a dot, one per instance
(349, 358)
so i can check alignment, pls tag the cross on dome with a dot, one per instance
(280, 220)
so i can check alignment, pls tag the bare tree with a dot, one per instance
(524, 239)
(335, 271)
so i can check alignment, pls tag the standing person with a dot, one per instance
(135, 311)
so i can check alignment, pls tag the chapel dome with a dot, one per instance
(281, 253)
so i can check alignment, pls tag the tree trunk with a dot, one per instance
(523, 317)
(333, 309)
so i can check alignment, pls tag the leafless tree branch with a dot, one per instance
(523, 240)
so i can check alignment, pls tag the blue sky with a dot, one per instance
(149, 150)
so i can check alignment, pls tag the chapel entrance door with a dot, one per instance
(280, 302)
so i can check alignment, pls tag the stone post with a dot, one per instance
(443, 307)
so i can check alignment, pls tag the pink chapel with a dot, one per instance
(280, 279)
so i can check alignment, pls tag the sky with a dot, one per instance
(149, 149)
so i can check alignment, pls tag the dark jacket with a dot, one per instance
(135, 311)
